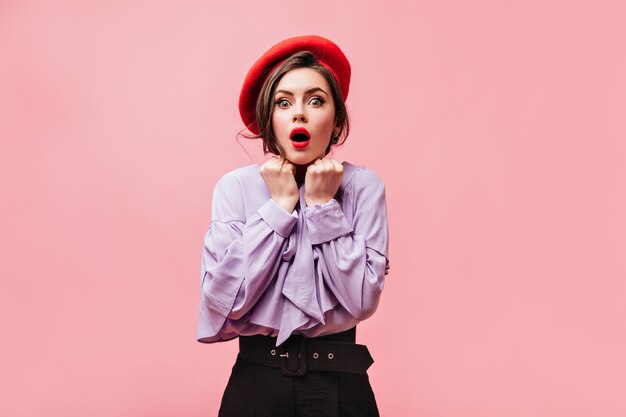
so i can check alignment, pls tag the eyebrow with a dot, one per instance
(309, 91)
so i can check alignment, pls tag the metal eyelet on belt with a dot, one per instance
(316, 355)
(273, 352)
(331, 355)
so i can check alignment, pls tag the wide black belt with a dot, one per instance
(298, 354)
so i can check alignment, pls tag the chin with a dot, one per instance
(300, 159)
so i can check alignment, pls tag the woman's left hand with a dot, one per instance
(322, 180)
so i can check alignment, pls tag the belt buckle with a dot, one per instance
(293, 347)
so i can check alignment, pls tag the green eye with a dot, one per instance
(283, 102)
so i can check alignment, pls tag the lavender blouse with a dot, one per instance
(316, 271)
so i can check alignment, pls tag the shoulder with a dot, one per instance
(239, 177)
(359, 178)
(367, 206)
(232, 190)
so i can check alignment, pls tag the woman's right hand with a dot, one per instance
(281, 182)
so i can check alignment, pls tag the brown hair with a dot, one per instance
(265, 102)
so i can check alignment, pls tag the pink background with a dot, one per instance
(497, 126)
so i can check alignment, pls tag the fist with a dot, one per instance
(279, 176)
(322, 180)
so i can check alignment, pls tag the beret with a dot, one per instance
(327, 53)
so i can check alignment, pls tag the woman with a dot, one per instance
(296, 251)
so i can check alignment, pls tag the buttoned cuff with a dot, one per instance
(326, 222)
(278, 218)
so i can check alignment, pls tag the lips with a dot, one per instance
(300, 137)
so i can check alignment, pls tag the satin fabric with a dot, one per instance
(319, 270)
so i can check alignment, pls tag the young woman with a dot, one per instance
(296, 251)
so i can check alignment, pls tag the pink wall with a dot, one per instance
(498, 128)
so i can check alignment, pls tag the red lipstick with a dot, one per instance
(300, 138)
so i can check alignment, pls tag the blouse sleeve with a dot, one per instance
(239, 257)
(354, 254)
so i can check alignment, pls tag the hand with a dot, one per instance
(281, 182)
(322, 180)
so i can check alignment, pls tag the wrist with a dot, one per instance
(287, 204)
(310, 202)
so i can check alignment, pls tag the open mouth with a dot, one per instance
(300, 138)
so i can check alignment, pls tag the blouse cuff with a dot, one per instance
(277, 218)
(326, 222)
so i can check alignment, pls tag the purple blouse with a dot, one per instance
(313, 272)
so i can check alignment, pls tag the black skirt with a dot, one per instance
(255, 390)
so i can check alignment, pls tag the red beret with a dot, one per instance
(327, 53)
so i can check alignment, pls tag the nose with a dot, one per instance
(299, 116)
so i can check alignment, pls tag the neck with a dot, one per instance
(300, 174)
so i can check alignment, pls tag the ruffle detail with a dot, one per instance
(301, 295)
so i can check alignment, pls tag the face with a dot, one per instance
(304, 115)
